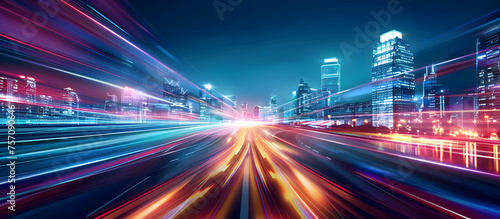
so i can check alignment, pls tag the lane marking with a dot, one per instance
(244, 194)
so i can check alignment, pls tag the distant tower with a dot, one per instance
(110, 104)
(274, 106)
(8, 88)
(27, 91)
(393, 80)
(330, 79)
(8, 92)
(46, 110)
(256, 112)
(431, 88)
(71, 101)
(244, 110)
(302, 93)
(131, 104)
(206, 102)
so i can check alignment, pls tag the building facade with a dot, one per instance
(354, 114)
(430, 99)
(330, 79)
(488, 79)
(111, 102)
(393, 80)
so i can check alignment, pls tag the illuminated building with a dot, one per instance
(462, 111)
(205, 100)
(289, 110)
(288, 113)
(488, 79)
(293, 111)
(346, 113)
(27, 93)
(310, 102)
(319, 102)
(330, 79)
(71, 104)
(110, 104)
(274, 107)
(244, 110)
(8, 91)
(131, 104)
(256, 113)
(46, 109)
(430, 99)
(8, 88)
(302, 99)
(176, 97)
(210, 107)
(264, 113)
(28, 90)
(393, 80)
(229, 106)
(443, 104)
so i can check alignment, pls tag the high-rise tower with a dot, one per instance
(393, 80)
(330, 79)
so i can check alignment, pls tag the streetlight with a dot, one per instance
(449, 122)
(487, 123)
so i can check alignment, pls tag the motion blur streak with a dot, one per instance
(290, 172)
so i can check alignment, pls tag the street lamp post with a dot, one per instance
(487, 124)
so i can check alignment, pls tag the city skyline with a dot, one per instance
(319, 39)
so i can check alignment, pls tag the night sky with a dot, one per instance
(264, 48)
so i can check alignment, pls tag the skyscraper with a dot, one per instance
(393, 80)
(274, 107)
(244, 110)
(176, 97)
(462, 111)
(27, 91)
(46, 110)
(206, 102)
(229, 106)
(302, 99)
(8, 89)
(256, 113)
(430, 97)
(110, 104)
(131, 104)
(71, 105)
(488, 79)
(330, 79)
(8, 92)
